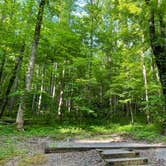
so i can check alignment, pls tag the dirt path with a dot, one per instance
(35, 153)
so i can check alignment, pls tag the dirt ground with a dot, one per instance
(35, 155)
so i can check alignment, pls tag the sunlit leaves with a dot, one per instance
(129, 7)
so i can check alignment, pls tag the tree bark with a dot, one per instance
(12, 79)
(29, 75)
(30, 70)
(2, 66)
(131, 112)
(61, 94)
(41, 89)
(145, 86)
(90, 56)
(53, 87)
(12, 100)
(35, 91)
(158, 43)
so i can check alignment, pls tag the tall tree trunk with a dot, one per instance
(41, 89)
(70, 90)
(158, 42)
(12, 100)
(90, 56)
(61, 94)
(53, 87)
(30, 70)
(156, 76)
(29, 75)
(1, 67)
(60, 102)
(131, 112)
(12, 79)
(145, 86)
(35, 91)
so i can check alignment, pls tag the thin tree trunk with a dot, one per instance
(53, 86)
(145, 86)
(12, 79)
(70, 91)
(90, 57)
(61, 94)
(69, 105)
(41, 89)
(19, 118)
(60, 102)
(131, 112)
(12, 100)
(146, 94)
(1, 68)
(55, 66)
(156, 76)
(36, 88)
(29, 75)
(33, 100)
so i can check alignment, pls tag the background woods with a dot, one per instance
(69, 60)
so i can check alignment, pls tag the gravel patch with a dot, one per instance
(156, 157)
(37, 145)
(89, 158)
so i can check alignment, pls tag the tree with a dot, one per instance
(30, 70)
(90, 61)
(157, 36)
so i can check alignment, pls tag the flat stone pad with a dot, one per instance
(89, 146)
(138, 160)
(117, 151)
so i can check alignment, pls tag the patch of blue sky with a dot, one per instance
(79, 10)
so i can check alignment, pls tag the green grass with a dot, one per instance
(8, 148)
(137, 131)
(10, 137)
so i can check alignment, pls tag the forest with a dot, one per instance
(83, 63)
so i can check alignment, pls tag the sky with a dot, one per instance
(80, 12)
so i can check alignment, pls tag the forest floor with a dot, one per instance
(27, 148)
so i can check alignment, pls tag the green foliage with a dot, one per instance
(92, 62)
